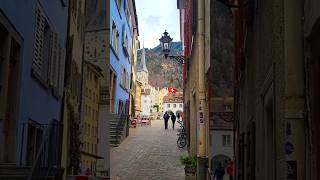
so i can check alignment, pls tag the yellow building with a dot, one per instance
(163, 92)
(89, 120)
(71, 116)
(137, 102)
(135, 91)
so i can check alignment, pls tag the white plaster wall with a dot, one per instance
(174, 110)
(216, 144)
(145, 105)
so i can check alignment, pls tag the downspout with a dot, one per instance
(308, 131)
(202, 162)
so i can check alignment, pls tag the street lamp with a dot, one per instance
(165, 41)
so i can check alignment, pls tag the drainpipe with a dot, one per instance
(202, 143)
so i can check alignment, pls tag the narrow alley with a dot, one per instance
(149, 152)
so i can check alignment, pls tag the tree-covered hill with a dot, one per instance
(164, 72)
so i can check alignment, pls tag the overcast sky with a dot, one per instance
(155, 16)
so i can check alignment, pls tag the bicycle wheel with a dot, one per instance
(181, 142)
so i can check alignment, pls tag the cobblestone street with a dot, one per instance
(149, 153)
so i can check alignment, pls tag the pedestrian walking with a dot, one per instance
(178, 116)
(166, 118)
(230, 169)
(219, 172)
(173, 119)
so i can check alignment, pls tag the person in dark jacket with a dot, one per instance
(219, 172)
(178, 116)
(166, 118)
(173, 119)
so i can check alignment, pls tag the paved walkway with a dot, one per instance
(149, 153)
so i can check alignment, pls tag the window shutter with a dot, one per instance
(54, 61)
(38, 42)
(61, 71)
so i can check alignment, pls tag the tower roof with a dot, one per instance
(143, 65)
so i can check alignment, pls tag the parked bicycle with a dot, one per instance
(182, 139)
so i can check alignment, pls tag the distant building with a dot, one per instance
(221, 131)
(90, 120)
(146, 102)
(173, 102)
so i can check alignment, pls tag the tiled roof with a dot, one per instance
(221, 118)
(173, 98)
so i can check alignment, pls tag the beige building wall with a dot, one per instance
(89, 121)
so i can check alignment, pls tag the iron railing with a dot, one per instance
(47, 160)
(121, 123)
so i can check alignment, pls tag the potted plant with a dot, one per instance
(190, 164)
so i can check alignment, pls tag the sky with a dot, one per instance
(154, 17)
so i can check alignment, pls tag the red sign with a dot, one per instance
(173, 90)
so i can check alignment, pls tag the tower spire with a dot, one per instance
(143, 66)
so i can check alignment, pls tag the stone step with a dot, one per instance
(114, 136)
(12, 169)
(13, 177)
(114, 145)
(114, 142)
(115, 133)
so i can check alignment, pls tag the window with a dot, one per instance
(48, 60)
(125, 81)
(168, 105)
(180, 105)
(228, 108)
(226, 140)
(112, 92)
(35, 133)
(125, 43)
(114, 37)
(174, 105)
(119, 3)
